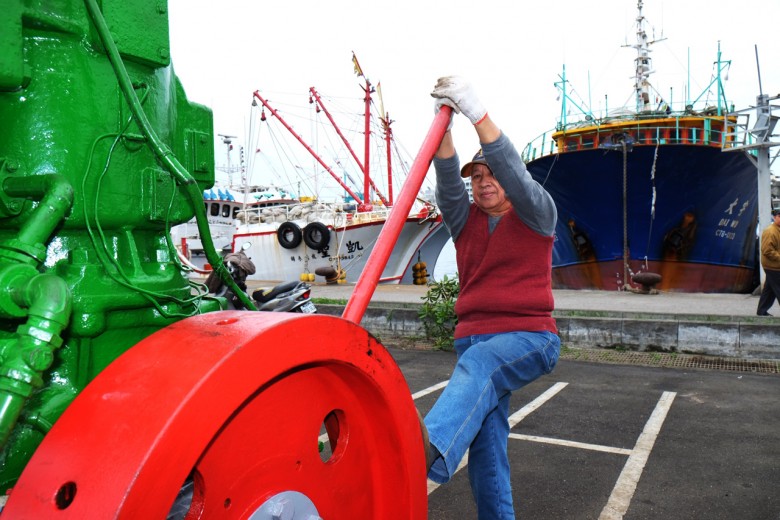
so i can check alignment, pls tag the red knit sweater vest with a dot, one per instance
(505, 277)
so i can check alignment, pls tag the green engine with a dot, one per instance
(100, 154)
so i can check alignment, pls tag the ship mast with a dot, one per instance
(364, 202)
(384, 117)
(643, 62)
(367, 140)
(314, 154)
(386, 122)
(643, 69)
(314, 97)
(368, 90)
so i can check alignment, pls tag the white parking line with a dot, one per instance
(526, 410)
(624, 489)
(433, 486)
(515, 418)
(429, 390)
(570, 444)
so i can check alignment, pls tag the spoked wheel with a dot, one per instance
(250, 415)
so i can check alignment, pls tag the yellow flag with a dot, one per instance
(381, 102)
(358, 70)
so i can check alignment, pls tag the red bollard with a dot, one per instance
(369, 278)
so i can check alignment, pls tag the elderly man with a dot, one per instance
(770, 260)
(505, 337)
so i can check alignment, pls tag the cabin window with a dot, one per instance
(587, 142)
(572, 143)
(214, 209)
(226, 210)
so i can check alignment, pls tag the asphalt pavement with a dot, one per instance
(599, 441)
(614, 440)
(623, 441)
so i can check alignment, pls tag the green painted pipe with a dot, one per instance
(43, 298)
(56, 197)
(163, 153)
(24, 358)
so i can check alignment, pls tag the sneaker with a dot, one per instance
(763, 314)
(426, 443)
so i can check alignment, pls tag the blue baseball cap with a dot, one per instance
(478, 159)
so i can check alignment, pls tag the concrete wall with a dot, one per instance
(729, 336)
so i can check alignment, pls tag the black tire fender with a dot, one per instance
(316, 235)
(289, 235)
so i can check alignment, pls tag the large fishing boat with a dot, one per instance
(649, 190)
(224, 205)
(305, 236)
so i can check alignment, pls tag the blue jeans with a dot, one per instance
(472, 412)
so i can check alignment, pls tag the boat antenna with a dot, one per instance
(758, 69)
(228, 142)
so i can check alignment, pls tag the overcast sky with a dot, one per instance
(512, 51)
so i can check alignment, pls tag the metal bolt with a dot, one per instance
(287, 505)
(40, 359)
(282, 509)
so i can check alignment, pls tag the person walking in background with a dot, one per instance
(506, 336)
(770, 260)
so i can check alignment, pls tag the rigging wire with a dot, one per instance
(625, 214)
(555, 159)
(652, 202)
(329, 145)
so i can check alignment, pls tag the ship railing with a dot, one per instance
(755, 127)
(335, 214)
(540, 146)
(375, 215)
(276, 213)
(649, 130)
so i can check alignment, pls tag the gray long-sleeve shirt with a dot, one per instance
(530, 201)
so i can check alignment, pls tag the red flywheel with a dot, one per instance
(236, 415)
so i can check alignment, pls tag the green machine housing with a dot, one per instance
(100, 153)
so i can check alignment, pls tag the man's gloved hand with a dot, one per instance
(452, 113)
(456, 92)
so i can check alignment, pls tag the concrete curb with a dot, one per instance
(394, 320)
(726, 336)
(742, 339)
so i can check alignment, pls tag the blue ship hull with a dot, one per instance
(694, 222)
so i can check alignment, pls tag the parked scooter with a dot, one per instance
(285, 297)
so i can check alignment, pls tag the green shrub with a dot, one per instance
(438, 312)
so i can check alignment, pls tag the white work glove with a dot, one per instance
(456, 92)
(452, 113)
